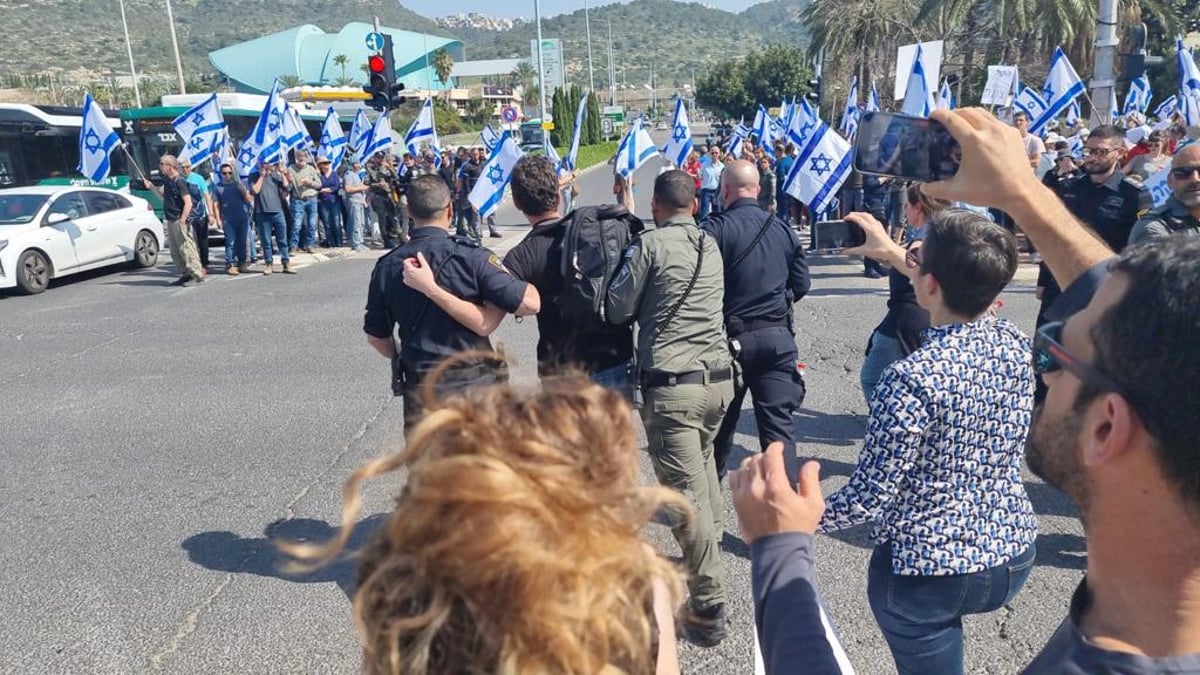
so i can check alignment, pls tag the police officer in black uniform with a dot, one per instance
(427, 334)
(765, 272)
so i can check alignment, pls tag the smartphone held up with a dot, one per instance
(901, 146)
(834, 235)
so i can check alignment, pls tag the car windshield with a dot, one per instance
(20, 209)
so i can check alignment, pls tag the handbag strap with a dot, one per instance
(757, 238)
(658, 329)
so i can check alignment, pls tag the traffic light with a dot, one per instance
(381, 77)
(814, 91)
(394, 97)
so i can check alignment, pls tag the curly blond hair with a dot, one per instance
(515, 546)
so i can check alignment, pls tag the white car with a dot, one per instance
(47, 232)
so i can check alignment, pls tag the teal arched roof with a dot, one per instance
(307, 52)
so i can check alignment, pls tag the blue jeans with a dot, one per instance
(882, 352)
(358, 218)
(708, 202)
(268, 225)
(921, 616)
(236, 234)
(331, 216)
(615, 378)
(304, 213)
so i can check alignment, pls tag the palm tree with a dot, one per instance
(859, 34)
(341, 60)
(286, 81)
(344, 81)
(525, 77)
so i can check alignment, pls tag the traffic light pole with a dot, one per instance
(1103, 69)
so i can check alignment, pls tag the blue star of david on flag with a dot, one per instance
(820, 164)
(96, 141)
(201, 130)
(680, 144)
(487, 194)
(91, 140)
(496, 175)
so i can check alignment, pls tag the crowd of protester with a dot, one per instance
(544, 570)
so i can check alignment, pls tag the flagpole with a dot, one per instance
(137, 94)
(175, 46)
(612, 69)
(125, 149)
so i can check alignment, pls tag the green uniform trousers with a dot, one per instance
(681, 423)
(183, 249)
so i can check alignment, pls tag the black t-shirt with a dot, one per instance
(538, 260)
(460, 266)
(906, 320)
(470, 175)
(173, 191)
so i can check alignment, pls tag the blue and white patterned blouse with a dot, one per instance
(940, 469)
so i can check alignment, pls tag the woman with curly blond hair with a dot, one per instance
(515, 546)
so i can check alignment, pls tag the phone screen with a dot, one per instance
(912, 148)
(832, 235)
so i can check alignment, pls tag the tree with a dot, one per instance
(443, 65)
(286, 81)
(341, 60)
(525, 77)
(593, 135)
(561, 112)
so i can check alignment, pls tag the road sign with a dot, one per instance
(374, 41)
(606, 126)
(548, 126)
(509, 114)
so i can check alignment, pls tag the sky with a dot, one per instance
(524, 8)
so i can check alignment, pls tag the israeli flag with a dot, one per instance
(1075, 145)
(1189, 107)
(1062, 87)
(333, 140)
(552, 154)
(1140, 92)
(873, 100)
(1114, 114)
(1189, 75)
(823, 164)
(381, 136)
(202, 130)
(1030, 102)
(573, 152)
(422, 129)
(360, 133)
(489, 137)
(294, 134)
(764, 130)
(679, 145)
(635, 148)
(494, 177)
(268, 130)
(740, 133)
(247, 156)
(1073, 114)
(918, 97)
(96, 141)
(849, 126)
(945, 97)
(1166, 108)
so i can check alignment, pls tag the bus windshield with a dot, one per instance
(39, 145)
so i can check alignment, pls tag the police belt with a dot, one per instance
(736, 325)
(653, 378)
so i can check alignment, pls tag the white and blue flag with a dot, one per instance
(495, 176)
(380, 138)
(873, 100)
(247, 156)
(679, 145)
(1189, 84)
(201, 130)
(422, 129)
(96, 141)
(918, 96)
(764, 130)
(1030, 102)
(333, 140)
(489, 137)
(1166, 108)
(268, 130)
(945, 97)
(295, 135)
(1073, 114)
(573, 152)
(740, 133)
(850, 113)
(1189, 108)
(1062, 87)
(1140, 93)
(1157, 186)
(822, 165)
(360, 133)
(635, 148)
(1114, 113)
(1075, 145)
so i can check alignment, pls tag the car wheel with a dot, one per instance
(145, 250)
(33, 272)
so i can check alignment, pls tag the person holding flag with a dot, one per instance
(201, 130)
(177, 208)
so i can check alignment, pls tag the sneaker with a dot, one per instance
(705, 627)
(193, 281)
(306, 249)
(181, 281)
(232, 271)
(268, 268)
(291, 249)
(287, 267)
(243, 268)
(872, 274)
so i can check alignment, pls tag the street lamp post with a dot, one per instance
(175, 46)
(587, 25)
(612, 69)
(537, 10)
(137, 93)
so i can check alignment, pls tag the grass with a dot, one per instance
(591, 155)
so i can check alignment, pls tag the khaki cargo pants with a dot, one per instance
(681, 423)
(183, 249)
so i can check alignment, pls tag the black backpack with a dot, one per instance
(593, 244)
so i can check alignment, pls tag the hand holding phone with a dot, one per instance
(835, 235)
(911, 148)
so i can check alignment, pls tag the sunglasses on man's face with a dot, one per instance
(1185, 172)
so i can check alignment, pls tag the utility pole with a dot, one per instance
(537, 10)
(612, 69)
(175, 46)
(587, 25)
(137, 94)
(1104, 66)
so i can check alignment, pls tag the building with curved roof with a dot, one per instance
(308, 53)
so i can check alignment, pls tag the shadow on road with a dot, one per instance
(224, 551)
(1065, 551)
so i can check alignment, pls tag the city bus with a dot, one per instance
(39, 145)
(149, 135)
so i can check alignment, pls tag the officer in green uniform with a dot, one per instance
(672, 282)
(382, 178)
(1181, 211)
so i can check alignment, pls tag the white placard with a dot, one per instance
(931, 60)
(1157, 186)
(1001, 86)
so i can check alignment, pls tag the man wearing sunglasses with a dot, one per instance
(1181, 212)
(1118, 432)
(234, 203)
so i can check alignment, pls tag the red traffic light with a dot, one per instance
(375, 63)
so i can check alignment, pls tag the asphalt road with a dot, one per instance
(153, 437)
